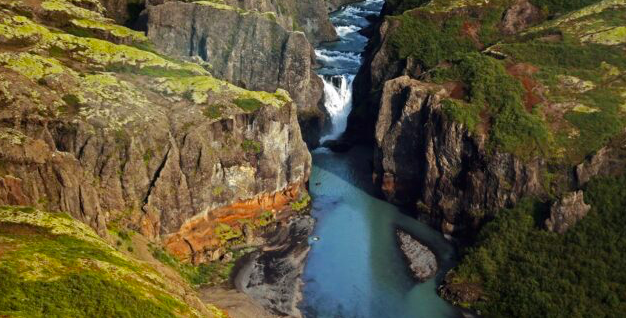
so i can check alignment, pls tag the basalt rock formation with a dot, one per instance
(440, 149)
(425, 160)
(272, 276)
(251, 44)
(110, 132)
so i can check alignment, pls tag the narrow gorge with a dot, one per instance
(312, 158)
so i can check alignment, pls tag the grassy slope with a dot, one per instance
(54, 266)
(530, 106)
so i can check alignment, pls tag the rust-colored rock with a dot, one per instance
(197, 238)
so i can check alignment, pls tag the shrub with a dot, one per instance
(526, 271)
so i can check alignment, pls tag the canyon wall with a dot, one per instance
(435, 165)
(114, 134)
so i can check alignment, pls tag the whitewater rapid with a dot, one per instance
(341, 61)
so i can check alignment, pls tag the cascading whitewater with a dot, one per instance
(341, 61)
(338, 102)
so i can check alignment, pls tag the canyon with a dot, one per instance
(196, 137)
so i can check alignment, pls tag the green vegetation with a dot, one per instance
(526, 271)
(302, 204)
(212, 274)
(461, 112)
(248, 104)
(54, 266)
(76, 295)
(491, 88)
(251, 146)
(226, 233)
(561, 6)
(429, 41)
(213, 111)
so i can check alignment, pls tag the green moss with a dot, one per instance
(265, 219)
(303, 203)
(32, 66)
(251, 146)
(248, 104)
(213, 111)
(226, 233)
(467, 114)
(112, 29)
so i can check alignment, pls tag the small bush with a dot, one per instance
(251, 146)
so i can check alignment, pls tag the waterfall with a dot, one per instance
(338, 103)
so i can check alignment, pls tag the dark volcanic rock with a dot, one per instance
(567, 211)
(422, 260)
(272, 276)
(424, 160)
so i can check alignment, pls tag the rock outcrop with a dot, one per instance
(422, 260)
(564, 213)
(519, 16)
(243, 46)
(434, 164)
(269, 276)
(610, 160)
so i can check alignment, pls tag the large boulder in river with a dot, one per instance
(422, 260)
(566, 212)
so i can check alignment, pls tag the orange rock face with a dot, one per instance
(198, 235)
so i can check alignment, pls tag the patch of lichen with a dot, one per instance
(116, 31)
(60, 267)
(199, 89)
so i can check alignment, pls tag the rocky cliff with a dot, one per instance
(110, 132)
(426, 160)
(254, 44)
(474, 105)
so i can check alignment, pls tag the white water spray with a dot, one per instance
(338, 103)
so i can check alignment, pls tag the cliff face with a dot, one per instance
(247, 47)
(108, 132)
(473, 105)
(425, 160)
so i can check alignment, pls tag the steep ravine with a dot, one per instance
(355, 267)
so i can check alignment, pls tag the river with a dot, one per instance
(356, 268)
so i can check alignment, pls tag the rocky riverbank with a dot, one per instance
(271, 276)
